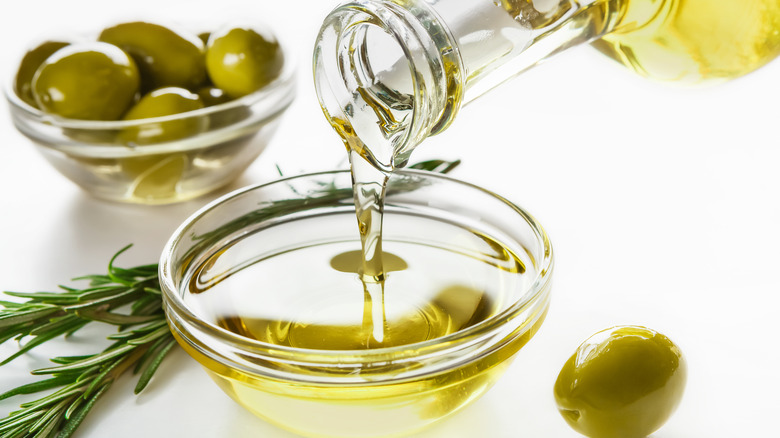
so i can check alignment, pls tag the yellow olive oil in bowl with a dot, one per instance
(266, 288)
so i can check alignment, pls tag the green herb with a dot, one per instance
(141, 344)
(130, 299)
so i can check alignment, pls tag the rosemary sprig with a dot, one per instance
(78, 382)
(130, 299)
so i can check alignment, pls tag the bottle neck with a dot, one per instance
(387, 75)
(390, 73)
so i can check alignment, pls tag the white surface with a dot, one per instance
(662, 205)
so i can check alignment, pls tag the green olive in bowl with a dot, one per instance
(160, 103)
(166, 57)
(623, 382)
(241, 60)
(29, 65)
(87, 81)
(213, 96)
(156, 176)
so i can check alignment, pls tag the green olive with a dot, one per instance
(164, 56)
(90, 81)
(156, 177)
(241, 60)
(227, 115)
(213, 96)
(163, 102)
(623, 382)
(29, 65)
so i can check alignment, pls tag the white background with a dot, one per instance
(661, 202)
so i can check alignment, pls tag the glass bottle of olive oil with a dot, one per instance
(390, 73)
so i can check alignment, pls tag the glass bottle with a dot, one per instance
(390, 73)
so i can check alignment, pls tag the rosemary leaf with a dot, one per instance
(440, 166)
(36, 312)
(99, 292)
(75, 420)
(150, 366)
(68, 359)
(60, 325)
(162, 331)
(86, 363)
(19, 417)
(114, 301)
(34, 387)
(150, 352)
(98, 381)
(50, 420)
(74, 407)
(115, 318)
(42, 338)
(69, 391)
(19, 432)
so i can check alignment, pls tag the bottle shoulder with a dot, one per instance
(695, 41)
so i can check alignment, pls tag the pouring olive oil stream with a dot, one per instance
(390, 73)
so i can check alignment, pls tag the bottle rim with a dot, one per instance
(435, 69)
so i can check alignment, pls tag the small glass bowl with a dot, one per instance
(380, 392)
(93, 155)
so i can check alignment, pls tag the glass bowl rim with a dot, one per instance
(275, 97)
(177, 310)
(282, 85)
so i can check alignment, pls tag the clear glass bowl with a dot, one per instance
(379, 392)
(93, 155)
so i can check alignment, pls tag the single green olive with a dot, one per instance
(159, 103)
(165, 57)
(227, 115)
(89, 81)
(623, 382)
(213, 96)
(241, 60)
(31, 61)
(156, 177)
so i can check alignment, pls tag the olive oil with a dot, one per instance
(439, 278)
(688, 41)
(368, 187)
(313, 295)
(692, 41)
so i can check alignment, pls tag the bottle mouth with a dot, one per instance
(387, 74)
